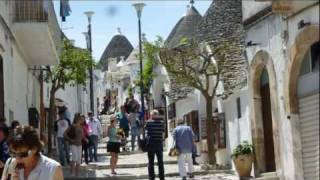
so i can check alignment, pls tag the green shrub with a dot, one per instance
(242, 149)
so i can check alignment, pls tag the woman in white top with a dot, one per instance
(27, 163)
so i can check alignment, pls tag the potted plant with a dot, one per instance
(242, 157)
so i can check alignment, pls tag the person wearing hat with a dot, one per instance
(4, 148)
(184, 138)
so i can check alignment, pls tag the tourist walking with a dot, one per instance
(184, 139)
(27, 161)
(74, 135)
(155, 133)
(135, 128)
(61, 126)
(124, 124)
(95, 132)
(113, 145)
(85, 140)
(4, 148)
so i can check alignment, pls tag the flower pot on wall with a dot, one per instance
(243, 164)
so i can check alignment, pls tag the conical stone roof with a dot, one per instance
(223, 22)
(186, 27)
(118, 46)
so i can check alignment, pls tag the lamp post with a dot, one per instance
(139, 8)
(89, 15)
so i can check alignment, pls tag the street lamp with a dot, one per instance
(89, 15)
(139, 8)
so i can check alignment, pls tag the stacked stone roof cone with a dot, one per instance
(185, 28)
(221, 23)
(118, 47)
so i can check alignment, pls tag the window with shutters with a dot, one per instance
(220, 132)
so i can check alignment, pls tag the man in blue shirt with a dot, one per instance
(184, 138)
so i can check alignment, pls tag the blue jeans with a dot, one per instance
(93, 147)
(63, 151)
(134, 135)
(155, 148)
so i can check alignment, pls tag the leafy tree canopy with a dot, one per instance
(72, 68)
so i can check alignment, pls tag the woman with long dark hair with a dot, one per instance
(74, 135)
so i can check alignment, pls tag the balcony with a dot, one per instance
(37, 31)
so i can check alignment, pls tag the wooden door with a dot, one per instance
(1, 89)
(267, 128)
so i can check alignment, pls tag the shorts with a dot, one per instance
(113, 147)
(76, 153)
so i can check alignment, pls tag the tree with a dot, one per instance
(71, 70)
(198, 66)
(150, 51)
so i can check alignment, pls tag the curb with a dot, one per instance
(145, 176)
(124, 166)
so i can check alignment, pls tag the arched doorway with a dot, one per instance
(267, 122)
(264, 114)
(1, 89)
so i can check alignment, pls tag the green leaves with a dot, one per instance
(242, 149)
(72, 68)
(150, 51)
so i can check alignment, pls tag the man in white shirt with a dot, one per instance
(61, 126)
(95, 131)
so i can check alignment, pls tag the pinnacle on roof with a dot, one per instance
(117, 47)
(185, 28)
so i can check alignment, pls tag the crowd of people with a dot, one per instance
(21, 148)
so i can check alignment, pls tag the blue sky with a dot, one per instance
(158, 18)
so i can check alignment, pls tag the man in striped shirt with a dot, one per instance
(155, 132)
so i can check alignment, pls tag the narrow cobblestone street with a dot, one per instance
(133, 165)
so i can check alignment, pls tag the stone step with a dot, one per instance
(106, 165)
(171, 170)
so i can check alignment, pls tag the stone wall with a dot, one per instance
(223, 23)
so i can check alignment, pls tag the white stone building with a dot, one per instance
(28, 40)
(283, 91)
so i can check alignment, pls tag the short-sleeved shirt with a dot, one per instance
(155, 130)
(184, 137)
(62, 126)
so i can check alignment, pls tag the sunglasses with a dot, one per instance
(20, 154)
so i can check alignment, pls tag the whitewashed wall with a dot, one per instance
(238, 129)
(269, 33)
(21, 88)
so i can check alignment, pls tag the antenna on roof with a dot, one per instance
(119, 30)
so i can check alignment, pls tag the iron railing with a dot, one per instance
(30, 11)
(38, 11)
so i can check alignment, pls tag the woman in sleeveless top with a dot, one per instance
(27, 162)
(113, 145)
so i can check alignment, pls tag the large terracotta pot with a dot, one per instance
(243, 164)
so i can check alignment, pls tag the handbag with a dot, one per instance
(174, 151)
(144, 143)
